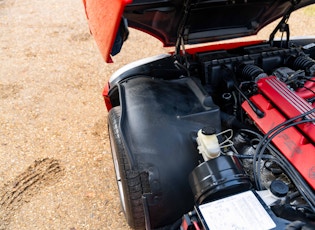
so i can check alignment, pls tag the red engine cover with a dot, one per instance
(279, 104)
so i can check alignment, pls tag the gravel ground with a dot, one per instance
(56, 170)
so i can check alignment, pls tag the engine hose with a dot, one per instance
(296, 178)
(304, 62)
(251, 72)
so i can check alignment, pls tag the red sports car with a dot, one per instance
(214, 137)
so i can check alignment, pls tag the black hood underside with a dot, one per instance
(205, 20)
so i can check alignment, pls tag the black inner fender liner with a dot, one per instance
(159, 122)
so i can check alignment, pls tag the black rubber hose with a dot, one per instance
(302, 62)
(249, 72)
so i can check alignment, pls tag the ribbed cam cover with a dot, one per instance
(280, 104)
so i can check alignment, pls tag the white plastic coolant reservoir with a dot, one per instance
(278, 190)
(208, 143)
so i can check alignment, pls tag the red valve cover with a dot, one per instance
(279, 104)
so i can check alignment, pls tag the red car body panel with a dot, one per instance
(104, 26)
(108, 103)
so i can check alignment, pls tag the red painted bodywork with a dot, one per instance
(291, 142)
(108, 103)
(104, 26)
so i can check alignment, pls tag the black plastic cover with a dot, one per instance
(218, 178)
(207, 20)
(159, 123)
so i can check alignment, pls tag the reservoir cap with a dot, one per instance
(208, 130)
(279, 188)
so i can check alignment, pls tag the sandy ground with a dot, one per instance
(56, 170)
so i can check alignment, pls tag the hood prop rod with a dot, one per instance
(283, 25)
(181, 60)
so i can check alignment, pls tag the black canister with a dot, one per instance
(218, 178)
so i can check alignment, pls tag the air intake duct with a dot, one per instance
(302, 62)
(250, 72)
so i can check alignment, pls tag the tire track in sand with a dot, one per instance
(24, 187)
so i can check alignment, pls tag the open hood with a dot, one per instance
(187, 21)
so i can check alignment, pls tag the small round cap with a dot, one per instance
(279, 188)
(208, 130)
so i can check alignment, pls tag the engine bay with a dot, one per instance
(266, 97)
(214, 128)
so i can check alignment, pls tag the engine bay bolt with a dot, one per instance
(227, 96)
